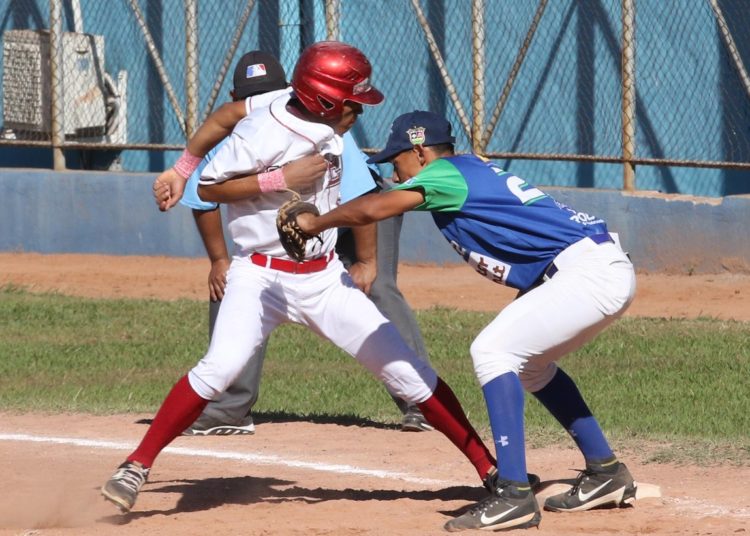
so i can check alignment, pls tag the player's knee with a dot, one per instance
(485, 350)
(479, 351)
(201, 387)
(211, 377)
(491, 362)
(414, 382)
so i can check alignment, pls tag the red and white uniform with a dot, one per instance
(267, 138)
(263, 291)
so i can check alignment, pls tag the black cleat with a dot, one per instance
(595, 487)
(509, 507)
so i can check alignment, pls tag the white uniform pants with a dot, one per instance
(594, 285)
(259, 299)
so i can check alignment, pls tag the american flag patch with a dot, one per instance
(258, 69)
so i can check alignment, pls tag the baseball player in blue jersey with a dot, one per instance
(573, 278)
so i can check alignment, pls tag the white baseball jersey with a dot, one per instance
(269, 137)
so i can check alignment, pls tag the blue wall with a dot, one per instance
(113, 213)
(690, 102)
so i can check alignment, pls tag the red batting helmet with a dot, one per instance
(329, 73)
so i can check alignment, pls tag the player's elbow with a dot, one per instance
(370, 214)
(206, 193)
(376, 211)
(365, 210)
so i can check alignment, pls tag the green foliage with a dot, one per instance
(680, 383)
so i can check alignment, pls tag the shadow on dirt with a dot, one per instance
(200, 495)
(341, 420)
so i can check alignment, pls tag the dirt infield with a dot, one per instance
(298, 478)
(724, 296)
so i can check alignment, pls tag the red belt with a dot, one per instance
(292, 267)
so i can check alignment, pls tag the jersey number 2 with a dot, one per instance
(520, 188)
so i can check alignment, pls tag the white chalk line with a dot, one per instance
(258, 459)
(686, 506)
(690, 505)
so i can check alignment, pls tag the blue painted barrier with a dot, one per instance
(114, 213)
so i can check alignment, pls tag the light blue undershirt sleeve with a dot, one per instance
(357, 179)
(190, 197)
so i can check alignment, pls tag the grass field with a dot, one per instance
(681, 383)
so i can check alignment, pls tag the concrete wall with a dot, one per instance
(100, 212)
(662, 233)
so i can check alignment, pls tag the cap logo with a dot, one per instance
(416, 135)
(254, 71)
(361, 87)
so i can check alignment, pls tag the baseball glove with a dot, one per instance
(292, 237)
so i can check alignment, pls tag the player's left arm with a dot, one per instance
(365, 269)
(298, 174)
(170, 184)
(363, 210)
(217, 126)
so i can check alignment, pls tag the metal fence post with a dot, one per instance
(332, 20)
(57, 91)
(478, 65)
(628, 94)
(191, 67)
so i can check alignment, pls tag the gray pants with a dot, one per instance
(233, 406)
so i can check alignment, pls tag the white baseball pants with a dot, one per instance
(594, 285)
(259, 299)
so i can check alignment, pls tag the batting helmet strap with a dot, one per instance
(329, 73)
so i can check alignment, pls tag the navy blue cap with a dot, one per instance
(415, 128)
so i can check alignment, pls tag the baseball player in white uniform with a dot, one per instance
(266, 288)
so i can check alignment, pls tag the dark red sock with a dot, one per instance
(443, 411)
(178, 411)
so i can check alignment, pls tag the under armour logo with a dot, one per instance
(503, 441)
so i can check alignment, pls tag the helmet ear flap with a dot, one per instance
(325, 103)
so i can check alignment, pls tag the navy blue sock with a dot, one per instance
(563, 400)
(504, 398)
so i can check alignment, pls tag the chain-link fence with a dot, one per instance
(125, 74)
(622, 81)
(637, 82)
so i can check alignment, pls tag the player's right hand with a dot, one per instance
(168, 189)
(306, 222)
(161, 192)
(217, 279)
(301, 173)
(363, 274)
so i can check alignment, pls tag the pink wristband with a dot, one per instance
(272, 181)
(186, 164)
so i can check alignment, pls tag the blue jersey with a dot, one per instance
(190, 197)
(356, 179)
(508, 230)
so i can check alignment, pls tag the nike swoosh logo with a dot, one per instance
(489, 520)
(583, 497)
